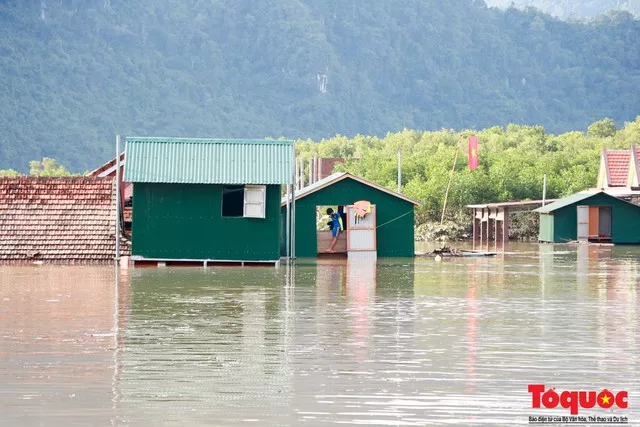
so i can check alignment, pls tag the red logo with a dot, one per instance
(574, 400)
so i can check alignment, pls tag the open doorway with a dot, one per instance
(594, 223)
(325, 230)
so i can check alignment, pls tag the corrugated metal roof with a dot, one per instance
(338, 176)
(208, 161)
(315, 186)
(561, 203)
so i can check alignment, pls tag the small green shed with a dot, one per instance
(206, 199)
(593, 216)
(394, 213)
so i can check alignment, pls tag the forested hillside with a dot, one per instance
(573, 9)
(73, 73)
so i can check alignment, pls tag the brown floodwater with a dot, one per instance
(405, 342)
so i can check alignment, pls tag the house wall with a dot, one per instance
(546, 228)
(625, 220)
(395, 239)
(184, 221)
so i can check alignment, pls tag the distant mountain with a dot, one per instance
(74, 73)
(573, 9)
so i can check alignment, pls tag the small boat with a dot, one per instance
(477, 254)
(447, 252)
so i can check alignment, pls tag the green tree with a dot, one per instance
(513, 161)
(9, 172)
(602, 128)
(48, 167)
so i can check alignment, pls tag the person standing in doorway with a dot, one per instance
(336, 226)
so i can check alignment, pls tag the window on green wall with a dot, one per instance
(233, 201)
(243, 201)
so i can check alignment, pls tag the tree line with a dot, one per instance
(512, 163)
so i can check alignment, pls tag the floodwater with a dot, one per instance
(398, 343)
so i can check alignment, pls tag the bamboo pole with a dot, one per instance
(446, 194)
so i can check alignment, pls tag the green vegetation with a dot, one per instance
(75, 73)
(46, 167)
(513, 161)
(9, 172)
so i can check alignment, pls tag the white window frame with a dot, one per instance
(251, 202)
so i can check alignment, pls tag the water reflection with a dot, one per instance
(57, 341)
(392, 342)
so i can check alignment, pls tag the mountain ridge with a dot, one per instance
(76, 73)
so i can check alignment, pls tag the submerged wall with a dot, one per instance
(184, 221)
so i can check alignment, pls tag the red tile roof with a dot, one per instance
(58, 220)
(618, 164)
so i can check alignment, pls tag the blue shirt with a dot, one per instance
(335, 217)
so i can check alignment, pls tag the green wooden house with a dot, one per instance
(394, 216)
(206, 200)
(590, 216)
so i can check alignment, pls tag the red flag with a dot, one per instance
(473, 152)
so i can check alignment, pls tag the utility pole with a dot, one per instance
(117, 199)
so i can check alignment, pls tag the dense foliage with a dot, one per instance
(46, 167)
(573, 9)
(512, 162)
(74, 73)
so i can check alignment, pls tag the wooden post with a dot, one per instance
(505, 228)
(475, 231)
(496, 228)
(481, 226)
(301, 173)
(484, 226)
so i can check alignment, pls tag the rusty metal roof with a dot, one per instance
(508, 204)
(208, 161)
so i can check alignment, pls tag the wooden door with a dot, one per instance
(361, 232)
(594, 222)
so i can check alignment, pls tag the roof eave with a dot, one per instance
(343, 175)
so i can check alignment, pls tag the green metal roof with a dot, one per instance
(337, 176)
(569, 200)
(208, 161)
